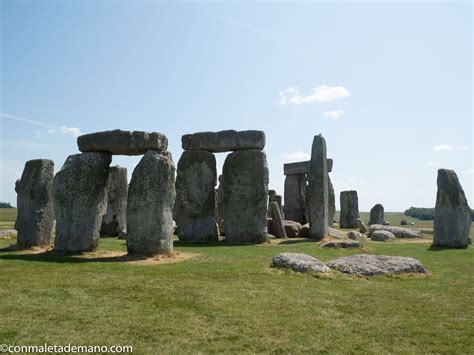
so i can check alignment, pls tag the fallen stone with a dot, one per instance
(373, 265)
(224, 141)
(361, 225)
(398, 232)
(298, 262)
(452, 217)
(114, 223)
(355, 235)
(35, 219)
(292, 228)
(304, 231)
(80, 201)
(425, 230)
(122, 142)
(151, 196)
(342, 245)
(336, 233)
(382, 236)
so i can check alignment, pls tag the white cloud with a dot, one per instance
(446, 148)
(296, 156)
(433, 163)
(73, 131)
(321, 93)
(333, 113)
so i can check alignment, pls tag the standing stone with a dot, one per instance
(195, 206)
(80, 201)
(295, 198)
(273, 197)
(151, 196)
(331, 202)
(277, 220)
(349, 209)
(376, 215)
(220, 200)
(452, 217)
(362, 227)
(114, 223)
(35, 219)
(245, 196)
(317, 197)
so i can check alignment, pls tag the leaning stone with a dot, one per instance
(336, 233)
(35, 219)
(297, 168)
(355, 235)
(361, 225)
(245, 197)
(372, 265)
(342, 245)
(151, 196)
(273, 197)
(382, 236)
(122, 142)
(295, 198)
(398, 232)
(317, 193)
(292, 228)
(195, 206)
(278, 227)
(331, 203)
(452, 217)
(114, 223)
(298, 262)
(376, 215)
(349, 209)
(224, 141)
(80, 201)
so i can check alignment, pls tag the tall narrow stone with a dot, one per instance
(331, 202)
(80, 201)
(151, 196)
(452, 218)
(220, 200)
(245, 196)
(277, 220)
(114, 223)
(349, 209)
(377, 215)
(317, 196)
(295, 198)
(273, 197)
(195, 207)
(35, 219)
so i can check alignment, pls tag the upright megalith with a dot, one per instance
(114, 223)
(331, 202)
(452, 217)
(277, 220)
(245, 196)
(35, 219)
(377, 215)
(195, 206)
(349, 209)
(295, 198)
(151, 196)
(80, 200)
(220, 200)
(273, 197)
(317, 197)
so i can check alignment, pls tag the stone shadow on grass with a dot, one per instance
(436, 248)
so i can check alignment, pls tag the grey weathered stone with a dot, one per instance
(355, 235)
(151, 196)
(398, 232)
(377, 214)
(122, 142)
(382, 235)
(273, 197)
(330, 163)
(331, 203)
(425, 230)
(296, 168)
(349, 209)
(277, 220)
(317, 193)
(114, 223)
(298, 262)
(342, 245)
(220, 201)
(372, 265)
(304, 231)
(452, 217)
(195, 206)
(35, 218)
(361, 225)
(224, 141)
(292, 228)
(386, 223)
(80, 201)
(295, 198)
(336, 233)
(245, 196)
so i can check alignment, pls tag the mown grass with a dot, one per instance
(7, 218)
(227, 299)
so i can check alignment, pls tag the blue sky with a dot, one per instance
(389, 85)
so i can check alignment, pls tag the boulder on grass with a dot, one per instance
(292, 228)
(298, 262)
(382, 236)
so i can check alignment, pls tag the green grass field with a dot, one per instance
(227, 299)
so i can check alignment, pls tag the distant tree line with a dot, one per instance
(425, 214)
(5, 205)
